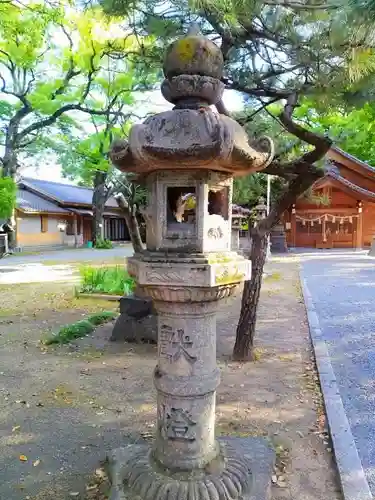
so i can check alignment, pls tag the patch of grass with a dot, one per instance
(81, 328)
(102, 317)
(287, 357)
(103, 244)
(113, 280)
(258, 353)
(71, 332)
(275, 276)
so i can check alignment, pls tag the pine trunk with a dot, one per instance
(244, 345)
(134, 233)
(97, 223)
(9, 169)
(131, 220)
(99, 199)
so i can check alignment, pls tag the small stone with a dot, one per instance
(300, 434)
(281, 484)
(74, 494)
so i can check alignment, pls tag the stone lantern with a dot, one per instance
(239, 215)
(261, 209)
(187, 158)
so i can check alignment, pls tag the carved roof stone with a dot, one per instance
(192, 135)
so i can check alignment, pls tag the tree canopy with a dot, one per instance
(7, 197)
(54, 60)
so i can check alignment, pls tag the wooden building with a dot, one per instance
(341, 213)
(53, 214)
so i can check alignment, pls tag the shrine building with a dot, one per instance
(341, 211)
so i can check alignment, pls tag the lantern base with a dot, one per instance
(242, 471)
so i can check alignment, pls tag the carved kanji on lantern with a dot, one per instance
(177, 424)
(176, 344)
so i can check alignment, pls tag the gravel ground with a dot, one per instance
(342, 286)
(63, 408)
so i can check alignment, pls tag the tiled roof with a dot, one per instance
(350, 185)
(63, 193)
(30, 202)
(353, 158)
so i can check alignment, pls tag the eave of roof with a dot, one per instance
(34, 186)
(346, 185)
(30, 202)
(349, 161)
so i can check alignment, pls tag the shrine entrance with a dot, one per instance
(329, 230)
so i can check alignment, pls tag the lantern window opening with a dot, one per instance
(218, 201)
(181, 208)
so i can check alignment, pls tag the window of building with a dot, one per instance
(70, 226)
(43, 223)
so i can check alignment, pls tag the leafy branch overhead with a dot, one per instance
(273, 51)
(56, 60)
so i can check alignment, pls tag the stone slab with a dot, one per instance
(137, 307)
(130, 329)
(257, 451)
(223, 269)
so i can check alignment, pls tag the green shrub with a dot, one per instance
(112, 280)
(81, 328)
(103, 244)
(71, 332)
(102, 317)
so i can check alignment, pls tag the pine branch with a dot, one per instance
(293, 190)
(302, 6)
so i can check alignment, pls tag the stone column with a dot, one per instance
(359, 238)
(372, 249)
(235, 239)
(186, 378)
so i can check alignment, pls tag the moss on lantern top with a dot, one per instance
(193, 55)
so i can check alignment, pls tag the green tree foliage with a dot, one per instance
(53, 61)
(352, 129)
(7, 197)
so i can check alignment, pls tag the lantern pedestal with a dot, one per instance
(186, 461)
(186, 158)
(217, 482)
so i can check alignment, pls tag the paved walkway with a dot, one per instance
(342, 287)
(69, 255)
(54, 266)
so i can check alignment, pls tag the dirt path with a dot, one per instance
(63, 408)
